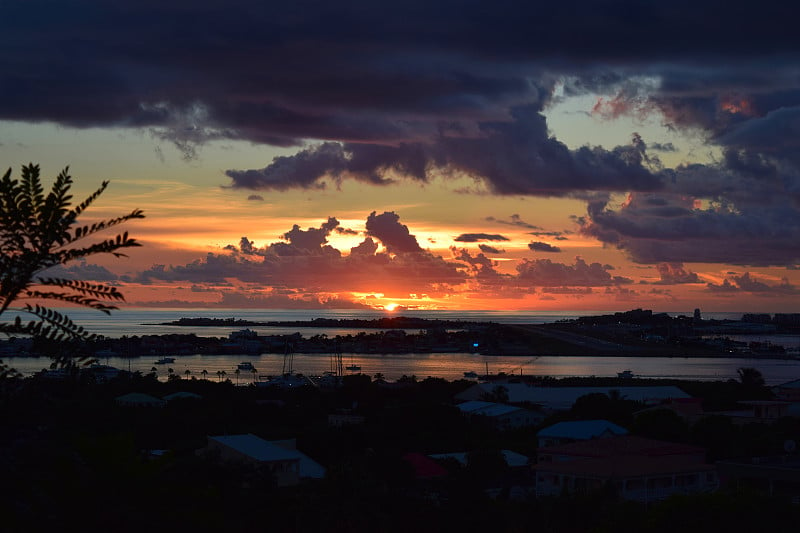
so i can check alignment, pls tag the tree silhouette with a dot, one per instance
(205, 373)
(750, 377)
(39, 232)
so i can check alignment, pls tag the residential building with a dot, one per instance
(575, 430)
(501, 416)
(280, 458)
(563, 398)
(639, 469)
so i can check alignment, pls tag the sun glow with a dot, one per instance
(391, 306)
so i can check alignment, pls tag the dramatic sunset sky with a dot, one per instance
(503, 155)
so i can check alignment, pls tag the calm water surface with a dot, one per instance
(451, 366)
(132, 321)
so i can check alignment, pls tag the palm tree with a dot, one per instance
(237, 372)
(219, 375)
(205, 373)
(187, 372)
(38, 232)
(254, 372)
(223, 373)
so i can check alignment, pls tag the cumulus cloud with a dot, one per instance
(81, 270)
(544, 272)
(395, 236)
(305, 261)
(749, 284)
(675, 273)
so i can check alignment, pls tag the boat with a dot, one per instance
(625, 374)
(165, 361)
(353, 367)
(245, 365)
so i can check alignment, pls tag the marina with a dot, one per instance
(450, 366)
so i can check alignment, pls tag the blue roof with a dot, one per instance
(582, 429)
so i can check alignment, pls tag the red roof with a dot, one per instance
(424, 467)
(626, 466)
(622, 445)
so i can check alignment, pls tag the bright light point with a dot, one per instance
(391, 307)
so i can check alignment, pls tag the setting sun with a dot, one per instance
(391, 307)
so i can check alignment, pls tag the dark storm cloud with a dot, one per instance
(511, 157)
(379, 92)
(746, 233)
(477, 237)
(543, 247)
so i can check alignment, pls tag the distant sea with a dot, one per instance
(143, 321)
(138, 321)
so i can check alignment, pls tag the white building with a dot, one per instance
(563, 398)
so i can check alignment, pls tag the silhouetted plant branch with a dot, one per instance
(38, 232)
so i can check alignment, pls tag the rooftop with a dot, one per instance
(623, 445)
(582, 429)
(256, 447)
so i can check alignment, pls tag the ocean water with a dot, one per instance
(145, 321)
(134, 321)
(449, 366)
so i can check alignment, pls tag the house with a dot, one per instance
(640, 469)
(516, 480)
(752, 411)
(789, 391)
(501, 416)
(423, 466)
(280, 458)
(757, 411)
(563, 398)
(182, 395)
(773, 474)
(139, 399)
(689, 409)
(511, 458)
(345, 417)
(565, 432)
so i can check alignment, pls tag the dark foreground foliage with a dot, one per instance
(71, 459)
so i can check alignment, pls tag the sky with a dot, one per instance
(589, 155)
